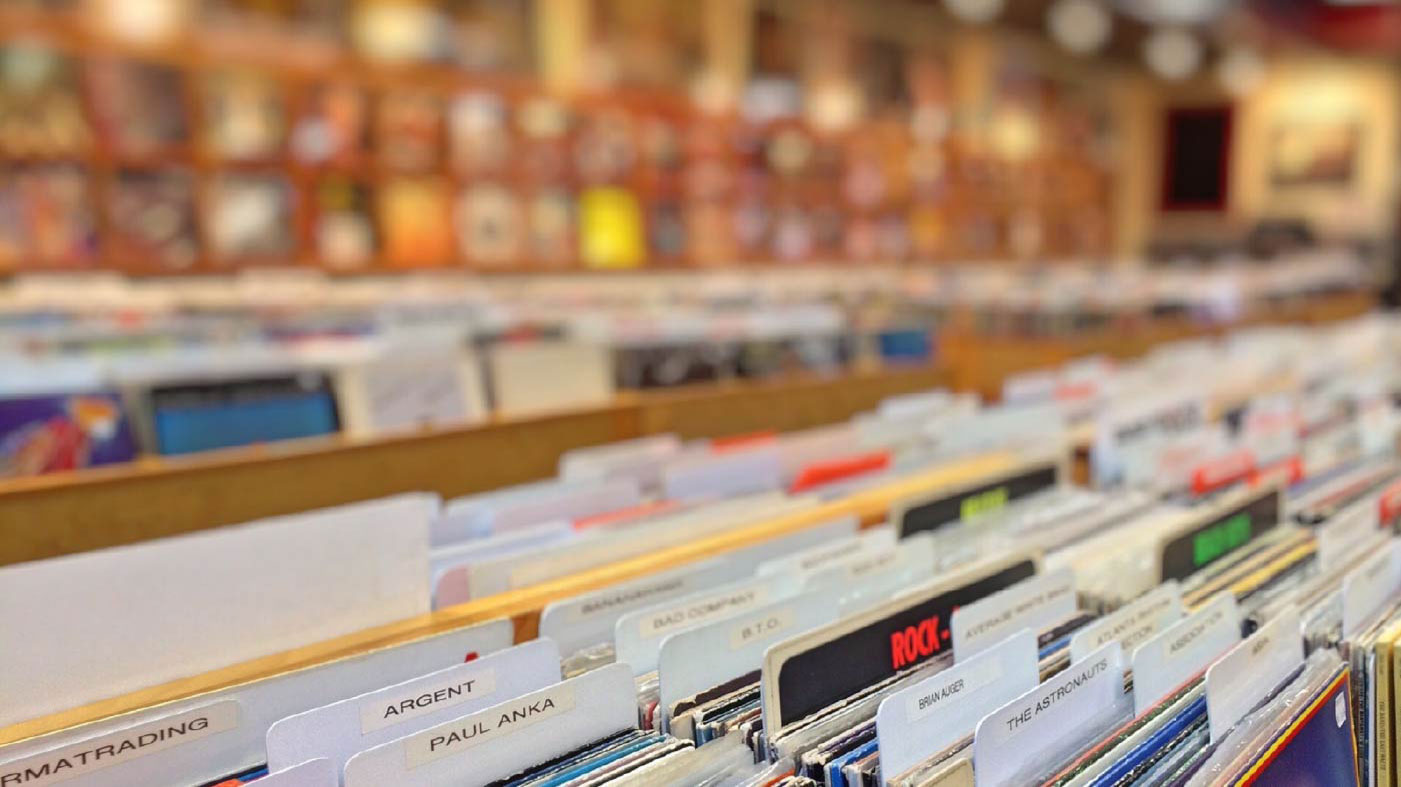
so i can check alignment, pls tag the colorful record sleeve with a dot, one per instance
(334, 127)
(140, 107)
(53, 433)
(245, 115)
(250, 218)
(345, 228)
(153, 221)
(415, 220)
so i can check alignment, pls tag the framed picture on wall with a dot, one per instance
(1304, 153)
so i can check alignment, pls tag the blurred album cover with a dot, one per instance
(480, 133)
(414, 217)
(250, 218)
(41, 103)
(153, 219)
(140, 106)
(334, 127)
(490, 230)
(410, 130)
(610, 228)
(345, 230)
(46, 217)
(551, 228)
(52, 433)
(244, 115)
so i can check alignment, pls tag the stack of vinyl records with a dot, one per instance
(920, 596)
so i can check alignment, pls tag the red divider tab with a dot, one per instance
(1390, 504)
(625, 514)
(1290, 470)
(1222, 472)
(740, 442)
(830, 470)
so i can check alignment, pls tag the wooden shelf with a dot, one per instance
(49, 516)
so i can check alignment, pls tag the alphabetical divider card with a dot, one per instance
(696, 659)
(480, 748)
(916, 723)
(1252, 670)
(638, 635)
(589, 618)
(1368, 588)
(1036, 730)
(312, 773)
(1036, 603)
(338, 730)
(169, 744)
(810, 671)
(1184, 650)
(1132, 624)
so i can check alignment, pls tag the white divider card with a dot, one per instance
(813, 559)
(1139, 426)
(515, 572)
(916, 723)
(1368, 588)
(921, 403)
(1036, 603)
(205, 751)
(1033, 730)
(1251, 671)
(588, 619)
(482, 747)
(637, 636)
(164, 609)
(1183, 650)
(1346, 531)
(808, 672)
(459, 515)
(565, 502)
(1132, 624)
(721, 475)
(696, 659)
(443, 560)
(641, 459)
(339, 730)
(879, 565)
(312, 773)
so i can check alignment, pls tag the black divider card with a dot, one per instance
(914, 630)
(1224, 532)
(971, 502)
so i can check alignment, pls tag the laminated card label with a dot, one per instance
(1251, 670)
(775, 621)
(379, 712)
(115, 748)
(1132, 624)
(1369, 586)
(1035, 603)
(1031, 727)
(1167, 660)
(457, 736)
(918, 722)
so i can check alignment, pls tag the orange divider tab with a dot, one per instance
(830, 470)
